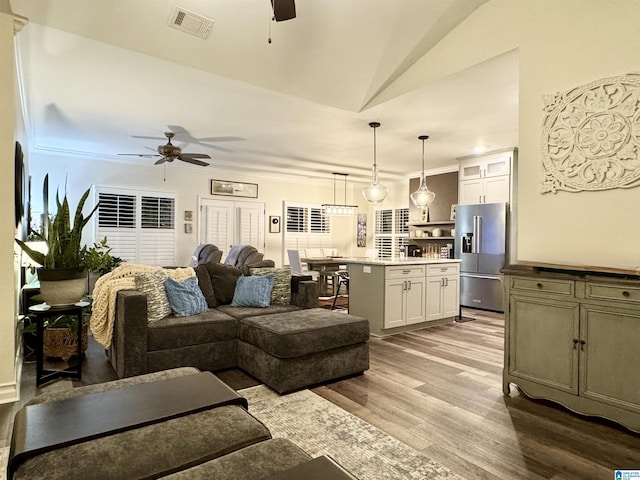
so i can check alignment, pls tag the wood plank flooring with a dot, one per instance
(440, 391)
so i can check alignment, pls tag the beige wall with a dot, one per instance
(191, 186)
(8, 266)
(562, 44)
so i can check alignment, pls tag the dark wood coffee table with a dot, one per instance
(54, 424)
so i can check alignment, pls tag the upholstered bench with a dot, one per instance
(293, 350)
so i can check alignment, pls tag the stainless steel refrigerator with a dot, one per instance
(481, 239)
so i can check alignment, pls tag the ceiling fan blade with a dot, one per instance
(162, 160)
(184, 134)
(195, 155)
(144, 155)
(221, 139)
(148, 138)
(193, 161)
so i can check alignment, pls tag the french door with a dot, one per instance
(225, 223)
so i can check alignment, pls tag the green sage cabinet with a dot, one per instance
(573, 338)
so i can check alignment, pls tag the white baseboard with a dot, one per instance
(10, 392)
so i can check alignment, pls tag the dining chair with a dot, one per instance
(296, 265)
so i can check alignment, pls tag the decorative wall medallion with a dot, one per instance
(591, 136)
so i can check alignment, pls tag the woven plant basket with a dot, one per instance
(63, 342)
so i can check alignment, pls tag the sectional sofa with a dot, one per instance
(288, 345)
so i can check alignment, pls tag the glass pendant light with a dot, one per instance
(423, 197)
(375, 192)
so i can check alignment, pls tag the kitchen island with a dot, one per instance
(402, 295)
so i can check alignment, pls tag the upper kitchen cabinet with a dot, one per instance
(486, 178)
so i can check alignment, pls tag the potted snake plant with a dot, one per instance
(63, 275)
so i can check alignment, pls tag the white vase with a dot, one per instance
(60, 287)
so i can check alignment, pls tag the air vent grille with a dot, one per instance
(191, 23)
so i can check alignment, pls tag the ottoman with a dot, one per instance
(294, 350)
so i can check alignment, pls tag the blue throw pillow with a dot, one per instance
(253, 291)
(185, 297)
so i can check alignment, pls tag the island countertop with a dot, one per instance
(397, 262)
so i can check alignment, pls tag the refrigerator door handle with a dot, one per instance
(474, 237)
(478, 234)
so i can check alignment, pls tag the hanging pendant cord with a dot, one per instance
(345, 189)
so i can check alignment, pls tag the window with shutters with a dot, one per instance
(305, 226)
(391, 231)
(140, 227)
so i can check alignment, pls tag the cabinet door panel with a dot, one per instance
(496, 189)
(415, 300)
(394, 303)
(470, 192)
(434, 298)
(609, 362)
(451, 297)
(541, 341)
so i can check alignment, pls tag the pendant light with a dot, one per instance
(335, 209)
(423, 197)
(374, 193)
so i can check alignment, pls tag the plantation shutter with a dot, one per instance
(306, 226)
(157, 235)
(251, 225)
(391, 231)
(139, 227)
(218, 228)
(226, 223)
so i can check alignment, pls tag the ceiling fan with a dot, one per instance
(170, 152)
(184, 135)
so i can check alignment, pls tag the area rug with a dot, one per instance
(321, 428)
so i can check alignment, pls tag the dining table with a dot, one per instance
(326, 267)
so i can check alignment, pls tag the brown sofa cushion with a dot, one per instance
(223, 279)
(204, 282)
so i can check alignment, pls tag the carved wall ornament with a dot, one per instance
(591, 136)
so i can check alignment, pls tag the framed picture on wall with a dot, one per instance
(361, 234)
(234, 189)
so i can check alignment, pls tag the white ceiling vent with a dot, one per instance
(191, 23)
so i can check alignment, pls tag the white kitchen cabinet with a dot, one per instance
(492, 165)
(485, 190)
(443, 291)
(404, 296)
(485, 179)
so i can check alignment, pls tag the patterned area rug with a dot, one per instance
(321, 428)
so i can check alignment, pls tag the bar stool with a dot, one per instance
(343, 279)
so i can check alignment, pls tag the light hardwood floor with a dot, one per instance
(439, 390)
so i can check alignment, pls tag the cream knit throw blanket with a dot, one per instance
(103, 311)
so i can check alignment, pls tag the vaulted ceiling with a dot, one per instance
(96, 75)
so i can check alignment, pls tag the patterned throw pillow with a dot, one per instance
(253, 291)
(281, 293)
(152, 284)
(185, 297)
